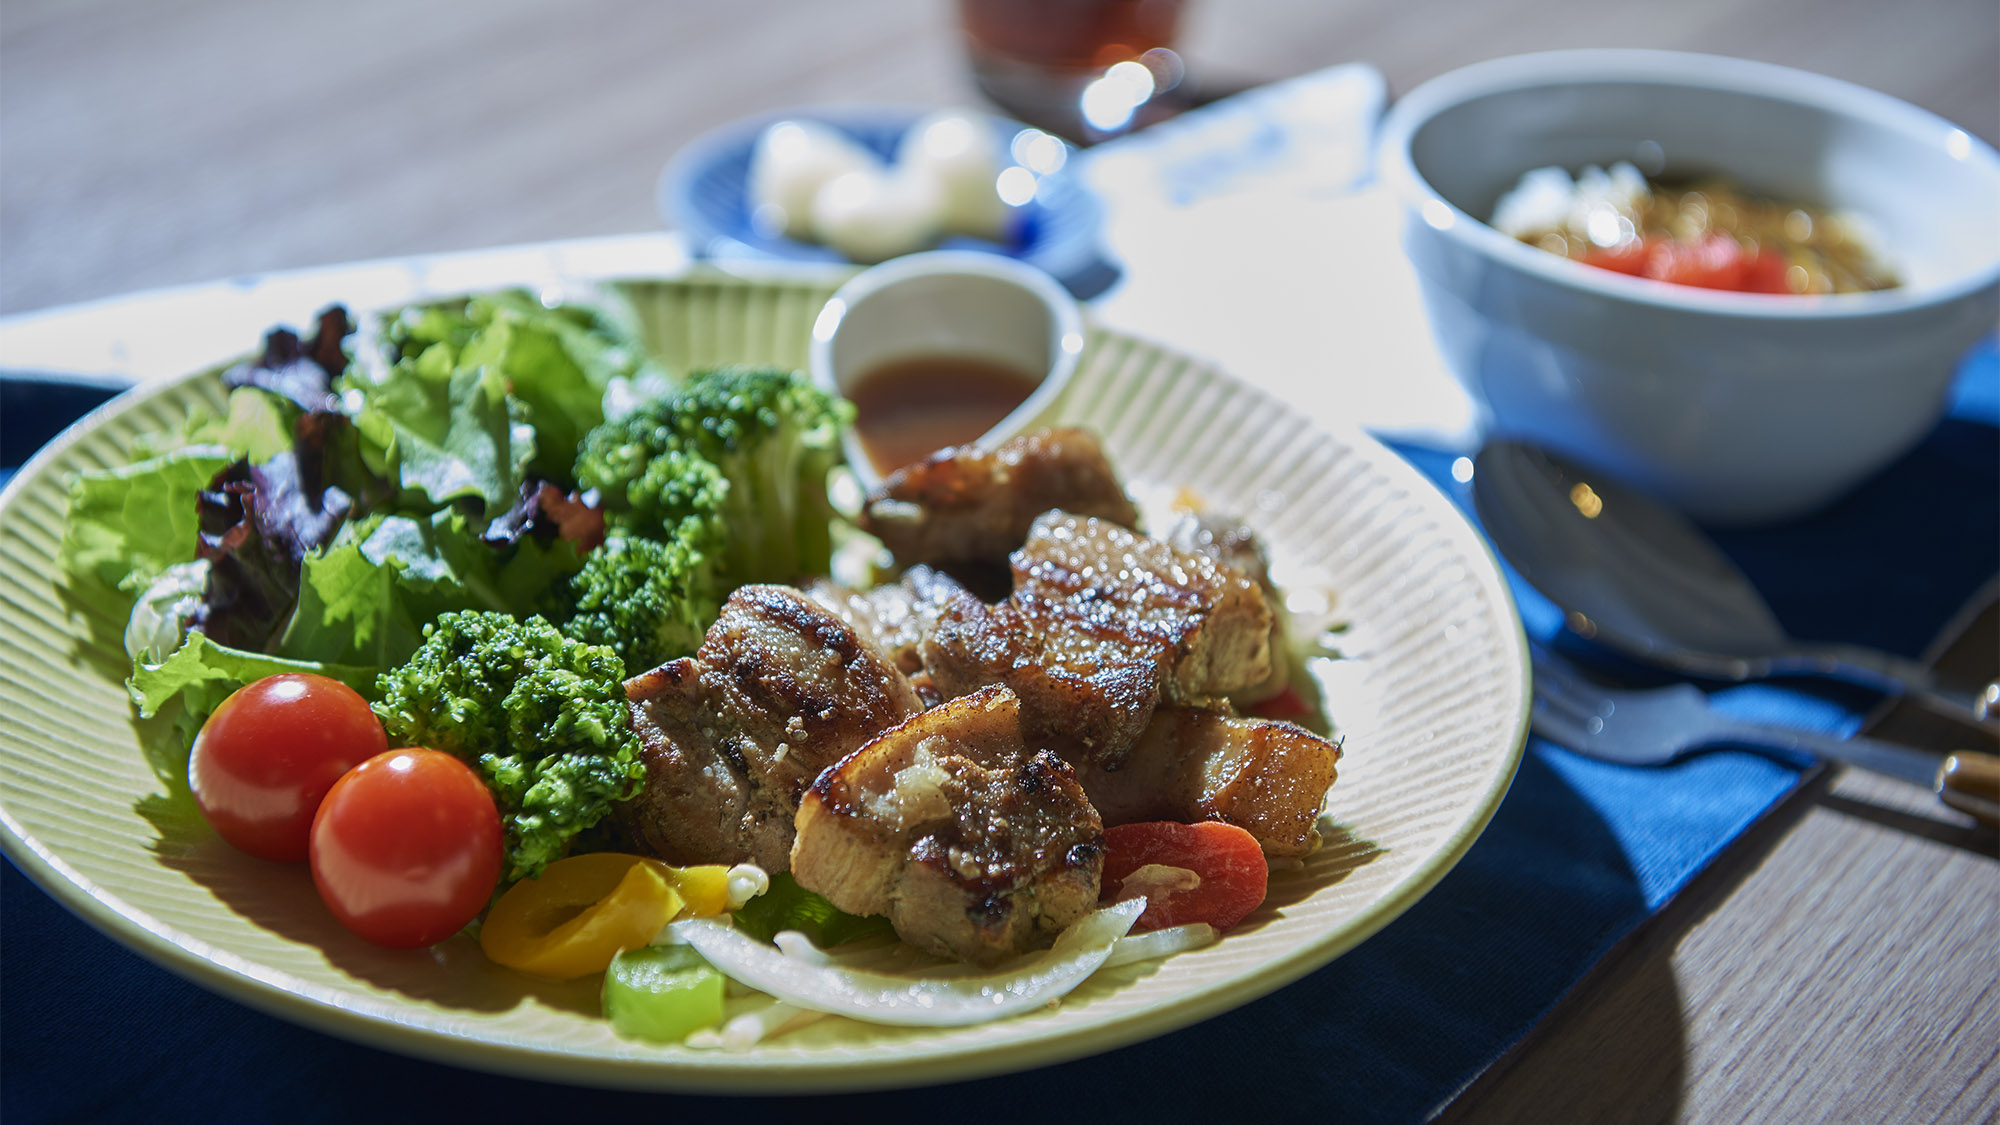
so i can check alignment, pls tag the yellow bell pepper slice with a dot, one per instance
(704, 889)
(580, 914)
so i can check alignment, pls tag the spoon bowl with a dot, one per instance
(1634, 575)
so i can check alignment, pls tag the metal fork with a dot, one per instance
(1654, 726)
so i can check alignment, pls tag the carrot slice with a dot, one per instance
(1208, 872)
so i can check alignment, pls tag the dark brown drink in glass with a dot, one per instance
(1035, 58)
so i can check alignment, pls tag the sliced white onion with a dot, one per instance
(746, 881)
(1158, 882)
(1160, 943)
(742, 1032)
(915, 1001)
(796, 945)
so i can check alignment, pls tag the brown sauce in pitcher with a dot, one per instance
(909, 408)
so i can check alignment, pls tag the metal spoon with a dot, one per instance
(1638, 577)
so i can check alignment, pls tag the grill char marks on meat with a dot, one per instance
(1266, 777)
(973, 845)
(897, 616)
(731, 737)
(963, 509)
(1103, 626)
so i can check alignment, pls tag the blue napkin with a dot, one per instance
(1579, 854)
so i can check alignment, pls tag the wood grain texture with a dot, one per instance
(1843, 965)
(1838, 965)
(172, 141)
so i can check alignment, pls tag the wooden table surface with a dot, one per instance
(1840, 964)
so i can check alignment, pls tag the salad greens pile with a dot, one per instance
(481, 475)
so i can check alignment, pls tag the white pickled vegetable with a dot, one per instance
(958, 152)
(793, 160)
(915, 1001)
(872, 215)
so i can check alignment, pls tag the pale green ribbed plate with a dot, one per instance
(1432, 702)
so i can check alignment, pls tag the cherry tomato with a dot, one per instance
(406, 848)
(267, 756)
(1204, 872)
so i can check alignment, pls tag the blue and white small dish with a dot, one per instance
(705, 194)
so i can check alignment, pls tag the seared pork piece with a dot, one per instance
(780, 689)
(1266, 777)
(973, 845)
(1232, 543)
(1226, 540)
(897, 616)
(1104, 624)
(968, 506)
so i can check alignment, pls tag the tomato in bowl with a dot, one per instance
(1737, 407)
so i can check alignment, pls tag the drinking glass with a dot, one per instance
(1087, 69)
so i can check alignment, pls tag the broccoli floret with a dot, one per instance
(673, 494)
(542, 718)
(650, 600)
(775, 436)
(771, 435)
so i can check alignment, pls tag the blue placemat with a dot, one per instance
(1577, 856)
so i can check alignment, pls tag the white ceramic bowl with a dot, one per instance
(1737, 408)
(949, 302)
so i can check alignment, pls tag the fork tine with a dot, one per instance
(1558, 705)
(1570, 710)
(1564, 728)
(1562, 685)
(1549, 667)
(1565, 676)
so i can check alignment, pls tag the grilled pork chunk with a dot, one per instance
(1232, 543)
(973, 845)
(1268, 778)
(780, 689)
(897, 616)
(1102, 626)
(967, 506)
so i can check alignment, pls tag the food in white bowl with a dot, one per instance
(1735, 407)
(1707, 233)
